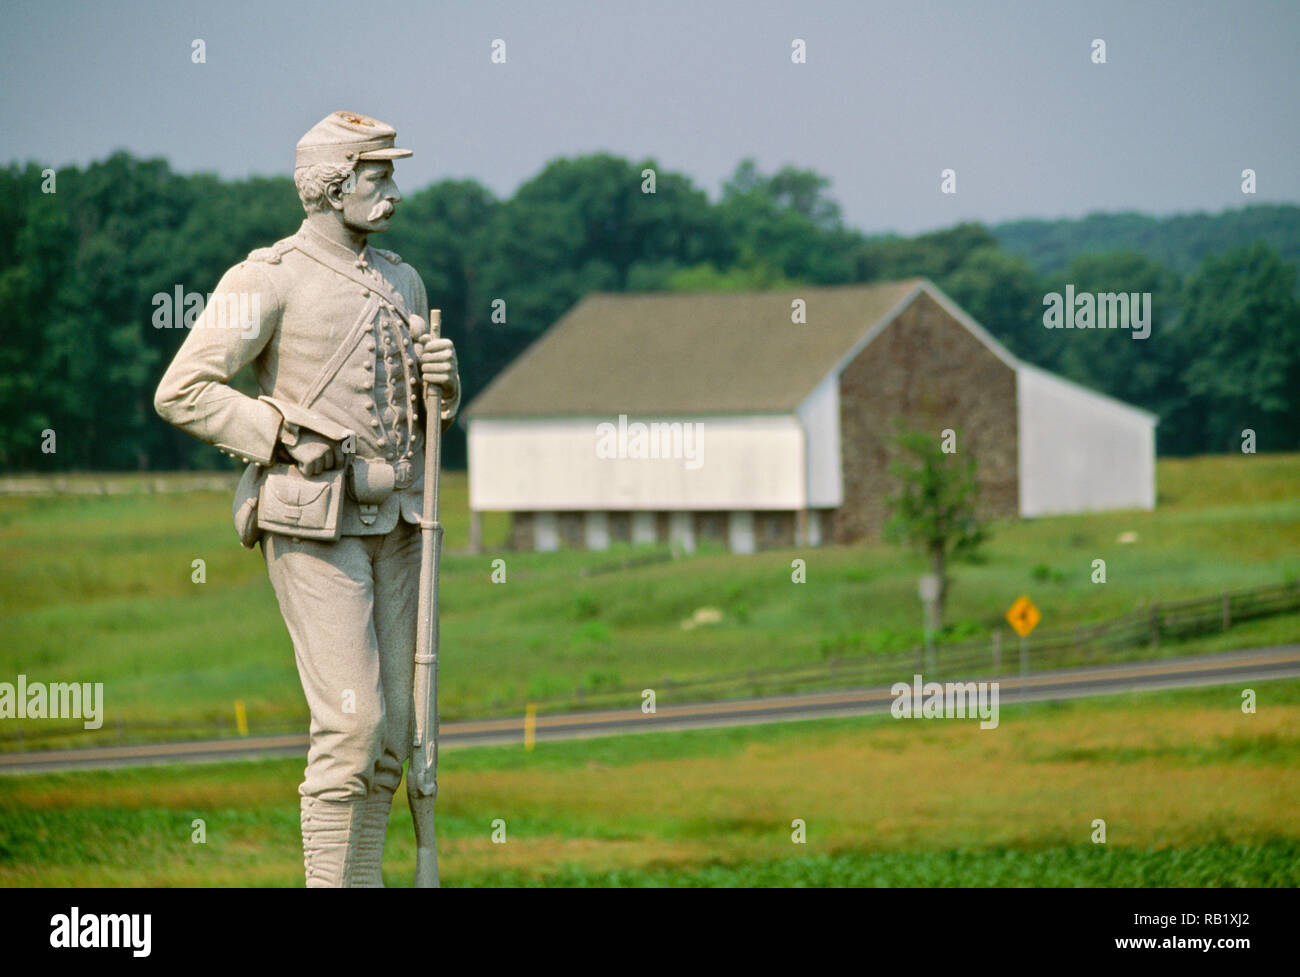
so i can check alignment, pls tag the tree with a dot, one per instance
(1239, 339)
(934, 509)
(706, 278)
(800, 191)
(787, 223)
(934, 255)
(1139, 371)
(1003, 294)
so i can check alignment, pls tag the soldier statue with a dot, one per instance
(335, 451)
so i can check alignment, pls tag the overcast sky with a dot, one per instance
(1004, 92)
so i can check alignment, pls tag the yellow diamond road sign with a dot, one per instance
(1024, 616)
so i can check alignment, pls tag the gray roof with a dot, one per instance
(688, 353)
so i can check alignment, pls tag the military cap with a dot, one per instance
(345, 137)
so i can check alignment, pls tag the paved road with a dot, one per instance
(1227, 668)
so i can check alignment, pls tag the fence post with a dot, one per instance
(1227, 610)
(1155, 625)
(997, 652)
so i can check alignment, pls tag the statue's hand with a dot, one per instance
(438, 366)
(315, 454)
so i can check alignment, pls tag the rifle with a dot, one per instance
(422, 776)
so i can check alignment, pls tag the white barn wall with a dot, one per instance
(1080, 451)
(820, 416)
(750, 462)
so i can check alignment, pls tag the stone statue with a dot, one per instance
(335, 446)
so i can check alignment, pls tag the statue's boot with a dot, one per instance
(331, 842)
(374, 829)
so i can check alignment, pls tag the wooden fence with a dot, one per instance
(1135, 635)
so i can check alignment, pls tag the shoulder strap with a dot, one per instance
(335, 362)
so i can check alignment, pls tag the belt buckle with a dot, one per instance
(403, 474)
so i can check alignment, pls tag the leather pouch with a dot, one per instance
(371, 482)
(293, 504)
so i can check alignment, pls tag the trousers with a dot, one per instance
(350, 607)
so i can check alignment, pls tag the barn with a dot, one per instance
(761, 419)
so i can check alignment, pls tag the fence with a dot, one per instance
(1130, 636)
(1134, 635)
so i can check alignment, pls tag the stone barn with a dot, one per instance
(760, 419)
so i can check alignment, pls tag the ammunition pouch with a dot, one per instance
(370, 483)
(307, 507)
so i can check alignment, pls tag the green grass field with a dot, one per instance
(99, 589)
(1193, 793)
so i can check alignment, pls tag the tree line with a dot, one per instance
(80, 266)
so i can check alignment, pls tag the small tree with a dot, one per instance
(934, 509)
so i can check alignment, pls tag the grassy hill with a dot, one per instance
(99, 589)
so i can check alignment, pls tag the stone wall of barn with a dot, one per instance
(926, 369)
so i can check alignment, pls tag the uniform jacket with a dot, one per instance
(327, 335)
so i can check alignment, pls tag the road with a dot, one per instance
(1226, 668)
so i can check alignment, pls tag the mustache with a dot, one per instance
(380, 211)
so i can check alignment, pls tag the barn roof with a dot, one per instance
(691, 353)
(688, 352)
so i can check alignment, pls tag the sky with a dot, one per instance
(1004, 92)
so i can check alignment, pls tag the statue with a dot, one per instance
(339, 457)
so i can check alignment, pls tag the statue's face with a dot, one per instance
(369, 206)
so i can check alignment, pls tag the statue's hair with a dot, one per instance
(313, 181)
